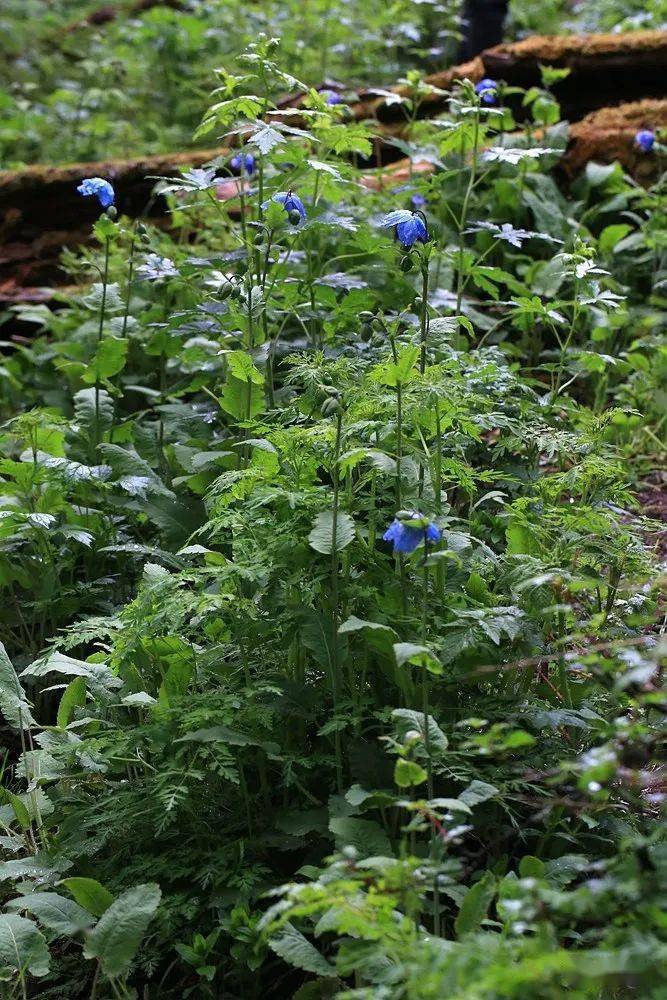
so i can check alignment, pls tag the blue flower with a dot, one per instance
(487, 89)
(331, 97)
(645, 140)
(418, 200)
(99, 188)
(412, 231)
(291, 203)
(409, 529)
(243, 163)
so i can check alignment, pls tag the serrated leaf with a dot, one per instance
(295, 949)
(118, 933)
(108, 361)
(13, 704)
(368, 837)
(321, 537)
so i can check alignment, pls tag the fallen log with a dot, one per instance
(607, 136)
(42, 213)
(604, 70)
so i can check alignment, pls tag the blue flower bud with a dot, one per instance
(645, 140)
(99, 188)
(291, 203)
(243, 163)
(331, 97)
(487, 89)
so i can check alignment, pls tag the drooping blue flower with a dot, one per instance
(290, 202)
(412, 231)
(99, 188)
(331, 97)
(409, 530)
(487, 89)
(243, 163)
(645, 140)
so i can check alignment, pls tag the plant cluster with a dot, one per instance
(331, 659)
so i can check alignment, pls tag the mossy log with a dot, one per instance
(41, 212)
(604, 70)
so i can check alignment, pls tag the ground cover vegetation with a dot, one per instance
(331, 622)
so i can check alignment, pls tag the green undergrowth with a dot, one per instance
(250, 750)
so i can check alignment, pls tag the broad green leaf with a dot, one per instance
(242, 367)
(321, 537)
(475, 905)
(408, 773)
(74, 696)
(368, 837)
(531, 867)
(109, 360)
(56, 913)
(243, 399)
(478, 791)
(118, 933)
(418, 656)
(408, 719)
(22, 946)
(296, 950)
(89, 894)
(18, 806)
(13, 704)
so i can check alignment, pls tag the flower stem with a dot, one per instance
(335, 667)
(100, 334)
(425, 675)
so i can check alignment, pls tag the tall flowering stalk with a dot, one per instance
(97, 187)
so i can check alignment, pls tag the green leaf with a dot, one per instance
(354, 624)
(89, 894)
(408, 773)
(368, 837)
(118, 933)
(242, 366)
(321, 537)
(243, 399)
(410, 719)
(13, 703)
(296, 950)
(531, 867)
(611, 235)
(478, 791)
(318, 636)
(109, 359)
(22, 946)
(19, 807)
(74, 696)
(57, 913)
(475, 905)
(418, 656)
(84, 412)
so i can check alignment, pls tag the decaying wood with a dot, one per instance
(41, 212)
(109, 12)
(604, 70)
(607, 135)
